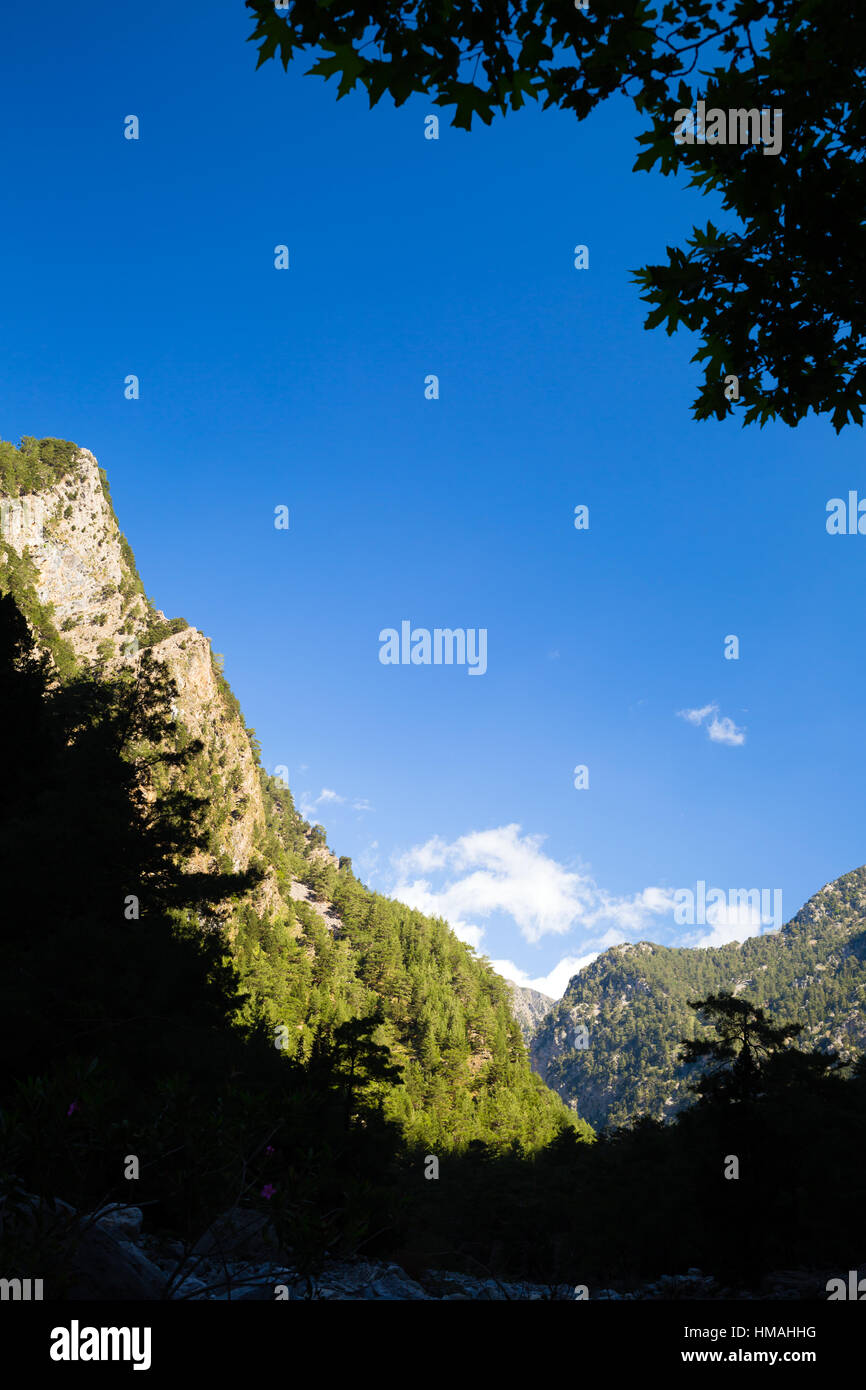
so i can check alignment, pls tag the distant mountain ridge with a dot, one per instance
(529, 1007)
(633, 1002)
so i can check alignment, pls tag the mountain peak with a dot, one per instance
(634, 1002)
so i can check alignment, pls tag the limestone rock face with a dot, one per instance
(529, 1007)
(86, 572)
(73, 539)
(300, 893)
(200, 706)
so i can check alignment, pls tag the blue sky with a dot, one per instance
(306, 388)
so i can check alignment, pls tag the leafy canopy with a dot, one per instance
(775, 298)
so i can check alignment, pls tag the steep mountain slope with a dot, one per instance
(529, 1007)
(633, 1003)
(73, 574)
(314, 947)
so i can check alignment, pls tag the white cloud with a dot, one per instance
(554, 983)
(697, 716)
(724, 730)
(631, 914)
(495, 871)
(502, 871)
(366, 863)
(433, 854)
(720, 730)
(729, 922)
(328, 797)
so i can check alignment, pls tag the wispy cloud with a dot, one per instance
(697, 716)
(720, 730)
(328, 797)
(308, 807)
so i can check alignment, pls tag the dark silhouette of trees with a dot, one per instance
(742, 1061)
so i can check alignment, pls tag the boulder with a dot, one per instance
(120, 1220)
(103, 1266)
(28, 1216)
(239, 1233)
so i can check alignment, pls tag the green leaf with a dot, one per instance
(345, 60)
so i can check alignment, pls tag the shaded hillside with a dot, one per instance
(312, 946)
(633, 1002)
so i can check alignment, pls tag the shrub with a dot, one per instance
(36, 464)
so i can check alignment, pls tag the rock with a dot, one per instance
(258, 1293)
(395, 1284)
(83, 1257)
(30, 1216)
(119, 1220)
(240, 1232)
(188, 1287)
(85, 571)
(101, 1266)
(529, 1007)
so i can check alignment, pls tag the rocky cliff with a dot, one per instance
(529, 1007)
(85, 572)
(66, 560)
